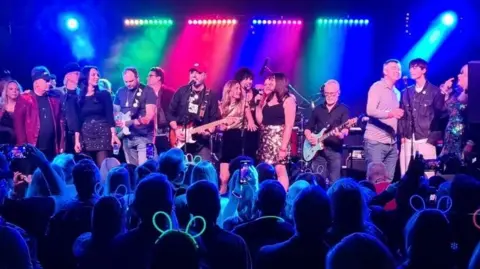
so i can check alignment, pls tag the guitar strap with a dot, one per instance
(205, 101)
(135, 107)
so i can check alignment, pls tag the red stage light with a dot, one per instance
(190, 21)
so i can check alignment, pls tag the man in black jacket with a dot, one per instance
(194, 104)
(423, 104)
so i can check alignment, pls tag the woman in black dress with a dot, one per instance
(96, 115)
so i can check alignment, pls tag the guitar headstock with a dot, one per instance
(351, 122)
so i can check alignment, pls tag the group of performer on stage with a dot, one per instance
(256, 121)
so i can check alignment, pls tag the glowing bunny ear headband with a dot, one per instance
(99, 188)
(444, 200)
(170, 229)
(190, 159)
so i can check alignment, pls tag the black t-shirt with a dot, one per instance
(46, 136)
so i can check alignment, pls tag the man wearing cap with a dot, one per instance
(37, 117)
(140, 101)
(156, 80)
(194, 104)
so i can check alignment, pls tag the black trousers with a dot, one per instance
(70, 143)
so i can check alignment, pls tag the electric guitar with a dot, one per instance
(310, 150)
(190, 131)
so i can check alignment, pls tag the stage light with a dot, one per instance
(339, 21)
(210, 22)
(449, 18)
(72, 24)
(149, 22)
(276, 22)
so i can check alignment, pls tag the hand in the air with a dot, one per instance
(446, 88)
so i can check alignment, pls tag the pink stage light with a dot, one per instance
(210, 22)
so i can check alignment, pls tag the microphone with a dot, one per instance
(260, 93)
(191, 83)
(265, 66)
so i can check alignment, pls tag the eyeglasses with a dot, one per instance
(331, 93)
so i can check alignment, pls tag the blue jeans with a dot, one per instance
(135, 149)
(328, 163)
(382, 153)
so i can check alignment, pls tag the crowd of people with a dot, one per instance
(67, 202)
(168, 213)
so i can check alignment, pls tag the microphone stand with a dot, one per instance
(242, 134)
(186, 118)
(412, 123)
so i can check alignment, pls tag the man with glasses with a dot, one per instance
(330, 115)
(156, 80)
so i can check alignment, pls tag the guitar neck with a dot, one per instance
(212, 124)
(327, 135)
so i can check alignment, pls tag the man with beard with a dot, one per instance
(140, 102)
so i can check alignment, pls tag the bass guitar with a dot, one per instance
(310, 150)
(190, 131)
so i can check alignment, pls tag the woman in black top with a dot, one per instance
(275, 113)
(96, 114)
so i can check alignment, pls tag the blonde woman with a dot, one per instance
(10, 93)
(232, 105)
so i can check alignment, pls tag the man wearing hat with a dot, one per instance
(70, 113)
(37, 116)
(194, 104)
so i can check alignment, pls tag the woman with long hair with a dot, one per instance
(10, 93)
(455, 103)
(276, 114)
(96, 114)
(232, 105)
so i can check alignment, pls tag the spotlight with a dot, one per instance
(72, 24)
(449, 18)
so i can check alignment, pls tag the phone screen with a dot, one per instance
(18, 152)
(244, 173)
(150, 151)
